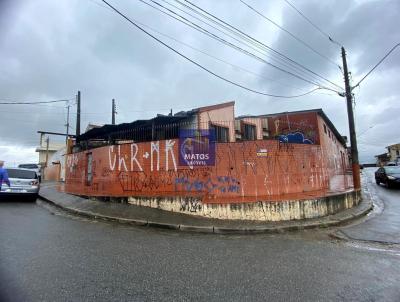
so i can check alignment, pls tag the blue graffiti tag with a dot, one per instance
(296, 138)
(223, 184)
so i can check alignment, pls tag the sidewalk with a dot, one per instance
(144, 216)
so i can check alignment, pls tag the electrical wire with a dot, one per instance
(312, 23)
(216, 58)
(291, 34)
(204, 52)
(253, 45)
(363, 132)
(212, 35)
(380, 61)
(199, 65)
(221, 40)
(244, 35)
(242, 39)
(32, 103)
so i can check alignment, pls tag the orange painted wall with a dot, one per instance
(52, 172)
(242, 173)
(334, 156)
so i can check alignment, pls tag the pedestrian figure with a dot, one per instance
(3, 175)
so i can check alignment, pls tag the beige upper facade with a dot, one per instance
(45, 152)
(394, 152)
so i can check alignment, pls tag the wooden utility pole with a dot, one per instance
(78, 114)
(113, 112)
(47, 150)
(352, 128)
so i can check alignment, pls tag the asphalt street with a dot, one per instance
(47, 255)
(384, 226)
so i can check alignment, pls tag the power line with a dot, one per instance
(363, 132)
(245, 39)
(291, 34)
(254, 43)
(216, 37)
(44, 105)
(32, 103)
(245, 42)
(216, 58)
(101, 5)
(380, 61)
(197, 64)
(221, 40)
(312, 23)
(238, 31)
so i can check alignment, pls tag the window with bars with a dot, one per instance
(249, 132)
(221, 133)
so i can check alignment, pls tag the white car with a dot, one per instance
(33, 167)
(24, 183)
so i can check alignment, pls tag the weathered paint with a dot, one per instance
(254, 121)
(305, 123)
(52, 172)
(220, 115)
(260, 210)
(239, 175)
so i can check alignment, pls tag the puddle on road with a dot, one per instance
(378, 207)
(375, 247)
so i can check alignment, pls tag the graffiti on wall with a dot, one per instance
(240, 173)
(72, 162)
(131, 161)
(301, 131)
(294, 138)
(220, 184)
(162, 181)
(192, 205)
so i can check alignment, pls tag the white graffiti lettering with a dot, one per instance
(133, 157)
(155, 147)
(169, 145)
(112, 164)
(121, 160)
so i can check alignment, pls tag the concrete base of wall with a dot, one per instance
(259, 211)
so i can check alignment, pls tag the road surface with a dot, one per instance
(47, 255)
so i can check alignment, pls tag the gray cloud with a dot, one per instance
(49, 50)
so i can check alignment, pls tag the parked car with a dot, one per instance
(24, 183)
(389, 175)
(34, 167)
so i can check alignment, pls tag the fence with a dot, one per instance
(241, 129)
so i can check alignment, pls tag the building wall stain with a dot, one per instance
(240, 173)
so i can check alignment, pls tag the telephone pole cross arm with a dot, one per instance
(352, 128)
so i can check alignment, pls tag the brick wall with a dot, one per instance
(243, 171)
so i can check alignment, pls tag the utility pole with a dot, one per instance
(114, 112)
(47, 150)
(67, 125)
(352, 128)
(78, 115)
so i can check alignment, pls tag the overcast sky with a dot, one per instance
(51, 49)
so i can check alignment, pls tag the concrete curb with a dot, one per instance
(323, 222)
